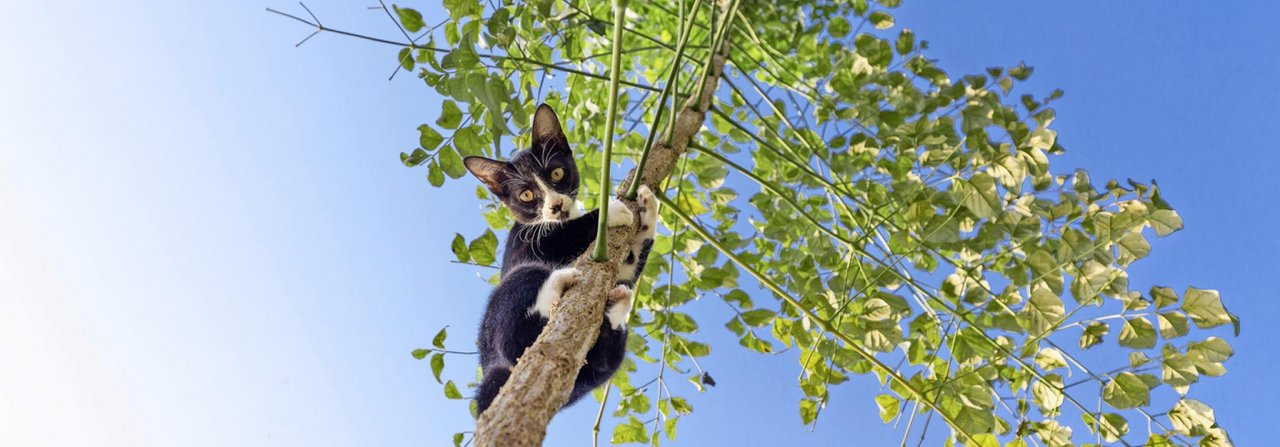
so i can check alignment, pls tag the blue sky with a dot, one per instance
(206, 237)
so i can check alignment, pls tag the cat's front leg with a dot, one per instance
(554, 288)
(633, 265)
(619, 214)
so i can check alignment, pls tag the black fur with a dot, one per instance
(509, 328)
(544, 238)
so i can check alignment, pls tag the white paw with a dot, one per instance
(617, 306)
(551, 291)
(648, 207)
(619, 214)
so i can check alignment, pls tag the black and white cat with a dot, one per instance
(540, 188)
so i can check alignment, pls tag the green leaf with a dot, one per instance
(435, 175)
(451, 162)
(1173, 324)
(1049, 359)
(1138, 358)
(1205, 308)
(462, 8)
(428, 138)
(1126, 390)
(881, 20)
(681, 322)
(876, 50)
(458, 438)
(889, 406)
(631, 432)
(984, 440)
(1111, 426)
(459, 247)
(1042, 312)
(405, 57)
(1138, 333)
(1053, 434)
(839, 27)
(1133, 246)
(420, 353)
(451, 390)
(438, 340)
(808, 411)
(1048, 393)
(1191, 417)
(1163, 296)
(450, 115)
(484, 249)
(979, 195)
(1212, 349)
(416, 158)
(437, 365)
(1165, 222)
(1207, 356)
(1177, 370)
(906, 41)
(1021, 72)
(468, 141)
(681, 406)
(757, 317)
(410, 18)
(1093, 333)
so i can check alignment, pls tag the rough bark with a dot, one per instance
(543, 376)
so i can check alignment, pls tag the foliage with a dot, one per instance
(853, 201)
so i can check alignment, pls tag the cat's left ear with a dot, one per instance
(546, 129)
(491, 172)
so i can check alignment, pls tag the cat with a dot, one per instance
(539, 186)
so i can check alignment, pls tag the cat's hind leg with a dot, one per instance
(605, 357)
(494, 378)
(631, 268)
(617, 306)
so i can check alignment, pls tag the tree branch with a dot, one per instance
(541, 381)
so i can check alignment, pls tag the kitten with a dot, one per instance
(540, 188)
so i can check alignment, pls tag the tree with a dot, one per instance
(895, 220)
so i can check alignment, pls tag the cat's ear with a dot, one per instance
(491, 172)
(546, 129)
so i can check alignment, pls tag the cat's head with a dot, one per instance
(539, 184)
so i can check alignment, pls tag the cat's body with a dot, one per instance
(563, 243)
(539, 185)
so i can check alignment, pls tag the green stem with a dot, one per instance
(824, 324)
(716, 42)
(601, 252)
(662, 99)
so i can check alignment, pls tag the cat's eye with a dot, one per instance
(526, 196)
(557, 174)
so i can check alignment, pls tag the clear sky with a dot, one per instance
(206, 237)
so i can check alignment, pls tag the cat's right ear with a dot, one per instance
(491, 172)
(547, 131)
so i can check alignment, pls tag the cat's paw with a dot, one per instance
(549, 295)
(647, 205)
(619, 214)
(617, 306)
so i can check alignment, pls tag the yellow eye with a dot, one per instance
(526, 196)
(557, 174)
